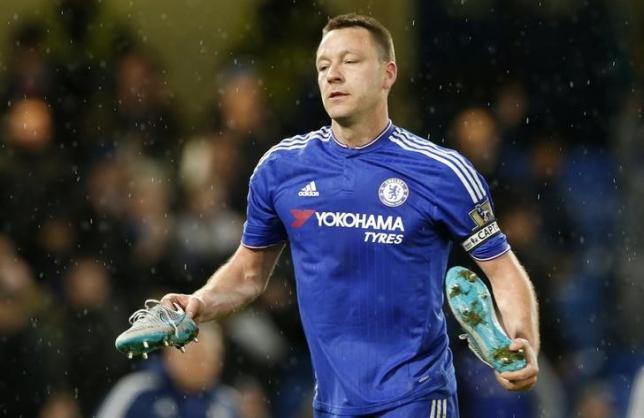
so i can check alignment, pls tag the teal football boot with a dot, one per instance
(471, 304)
(156, 326)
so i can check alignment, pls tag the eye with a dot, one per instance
(322, 68)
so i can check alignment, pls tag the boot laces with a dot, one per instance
(156, 314)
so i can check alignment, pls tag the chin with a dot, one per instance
(339, 115)
(343, 120)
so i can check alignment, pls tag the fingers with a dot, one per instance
(172, 299)
(191, 304)
(522, 379)
(517, 344)
(516, 385)
(522, 345)
(193, 307)
(525, 378)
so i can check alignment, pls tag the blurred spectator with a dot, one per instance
(244, 119)
(586, 184)
(102, 227)
(541, 187)
(148, 210)
(34, 172)
(84, 38)
(208, 230)
(150, 224)
(144, 118)
(636, 403)
(475, 135)
(24, 381)
(56, 243)
(549, 392)
(253, 402)
(511, 108)
(481, 397)
(179, 385)
(211, 158)
(594, 401)
(523, 222)
(128, 222)
(29, 69)
(630, 229)
(30, 126)
(286, 60)
(60, 405)
(89, 319)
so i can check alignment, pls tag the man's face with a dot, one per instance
(352, 75)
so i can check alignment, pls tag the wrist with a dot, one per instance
(199, 294)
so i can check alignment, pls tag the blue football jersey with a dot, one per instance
(370, 231)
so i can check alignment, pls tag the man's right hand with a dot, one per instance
(193, 305)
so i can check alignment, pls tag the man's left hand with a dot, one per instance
(525, 378)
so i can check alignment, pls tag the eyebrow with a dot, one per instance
(342, 53)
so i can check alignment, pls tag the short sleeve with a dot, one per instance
(262, 228)
(464, 206)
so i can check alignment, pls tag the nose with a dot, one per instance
(333, 74)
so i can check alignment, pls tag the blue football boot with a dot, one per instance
(156, 326)
(471, 304)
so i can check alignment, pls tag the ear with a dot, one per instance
(391, 72)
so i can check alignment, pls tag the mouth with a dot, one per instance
(337, 94)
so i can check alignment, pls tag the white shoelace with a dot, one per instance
(147, 315)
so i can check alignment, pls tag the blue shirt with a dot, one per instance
(370, 231)
(152, 394)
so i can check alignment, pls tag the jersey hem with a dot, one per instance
(260, 247)
(421, 395)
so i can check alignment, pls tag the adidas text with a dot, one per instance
(310, 190)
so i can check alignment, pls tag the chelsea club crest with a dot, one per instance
(393, 192)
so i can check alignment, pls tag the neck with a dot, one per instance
(355, 134)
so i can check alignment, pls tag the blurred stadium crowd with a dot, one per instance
(107, 198)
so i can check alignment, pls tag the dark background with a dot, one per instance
(129, 132)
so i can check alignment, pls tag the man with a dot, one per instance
(370, 212)
(178, 385)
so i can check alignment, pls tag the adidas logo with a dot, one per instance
(309, 190)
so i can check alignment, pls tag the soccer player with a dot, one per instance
(370, 212)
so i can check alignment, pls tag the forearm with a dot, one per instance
(515, 298)
(228, 290)
(238, 282)
(517, 304)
